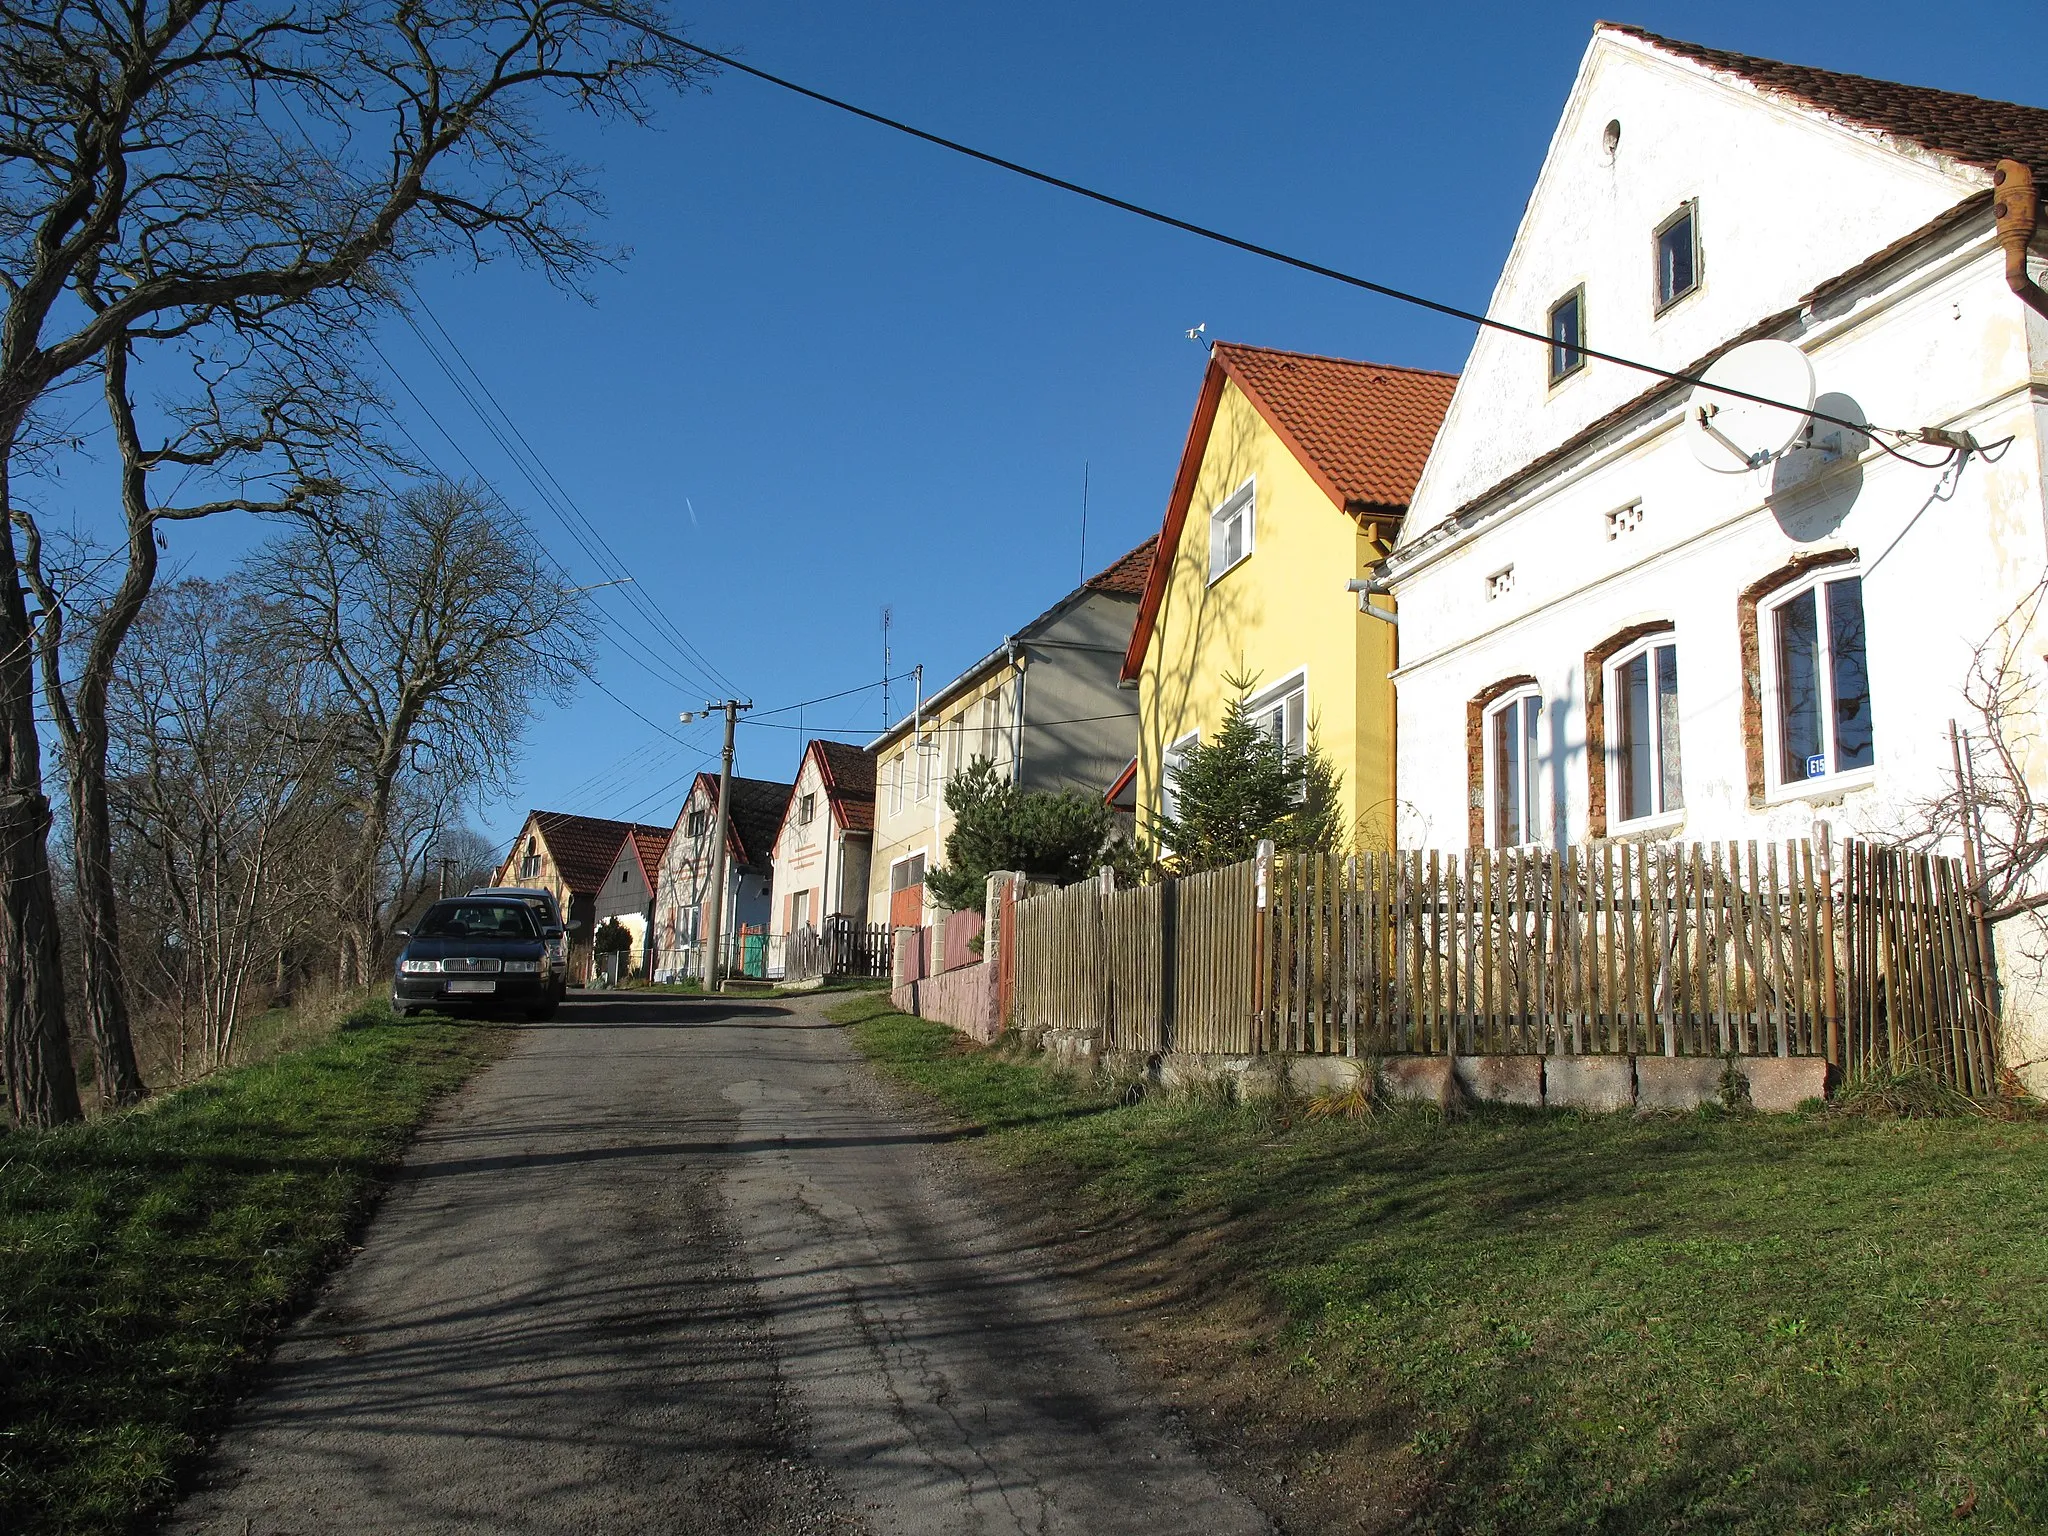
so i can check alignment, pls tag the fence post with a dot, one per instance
(1262, 897)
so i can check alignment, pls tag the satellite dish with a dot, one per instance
(1730, 434)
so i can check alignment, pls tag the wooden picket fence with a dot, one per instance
(1666, 949)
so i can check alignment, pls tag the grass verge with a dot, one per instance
(147, 1258)
(1820, 1323)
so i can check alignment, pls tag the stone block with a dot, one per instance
(1780, 1084)
(1677, 1082)
(1417, 1079)
(1255, 1078)
(1311, 1077)
(1598, 1084)
(1190, 1071)
(1502, 1079)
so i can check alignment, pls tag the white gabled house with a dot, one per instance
(1599, 636)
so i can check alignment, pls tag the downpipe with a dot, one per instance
(2017, 212)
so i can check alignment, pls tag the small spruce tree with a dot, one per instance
(1241, 785)
(1061, 837)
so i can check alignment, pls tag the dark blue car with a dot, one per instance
(474, 952)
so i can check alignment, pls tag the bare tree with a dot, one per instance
(209, 163)
(272, 416)
(443, 625)
(225, 777)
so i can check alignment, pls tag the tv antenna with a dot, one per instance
(888, 617)
(1730, 434)
(1084, 522)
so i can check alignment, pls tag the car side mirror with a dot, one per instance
(553, 930)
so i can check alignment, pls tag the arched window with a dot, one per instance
(1806, 677)
(1642, 732)
(1514, 770)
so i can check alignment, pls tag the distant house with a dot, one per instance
(828, 828)
(627, 893)
(1295, 478)
(570, 856)
(1043, 706)
(682, 895)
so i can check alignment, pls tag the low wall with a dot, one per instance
(1602, 1084)
(964, 998)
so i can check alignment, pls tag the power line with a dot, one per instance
(568, 509)
(1252, 247)
(626, 638)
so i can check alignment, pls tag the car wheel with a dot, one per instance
(544, 1011)
(400, 1011)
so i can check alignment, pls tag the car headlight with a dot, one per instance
(525, 967)
(420, 967)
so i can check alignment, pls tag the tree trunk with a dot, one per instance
(42, 1086)
(115, 1071)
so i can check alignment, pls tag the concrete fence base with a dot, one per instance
(1594, 1084)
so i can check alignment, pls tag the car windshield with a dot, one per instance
(477, 920)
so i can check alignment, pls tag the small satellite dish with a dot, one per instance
(1730, 434)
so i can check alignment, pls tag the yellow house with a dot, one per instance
(1294, 480)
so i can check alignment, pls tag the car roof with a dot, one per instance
(514, 892)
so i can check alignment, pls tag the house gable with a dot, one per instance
(1787, 194)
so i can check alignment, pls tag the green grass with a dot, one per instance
(146, 1258)
(1601, 1323)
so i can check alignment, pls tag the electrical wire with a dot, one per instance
(567, 511)
(1252, 247)
(826, 698)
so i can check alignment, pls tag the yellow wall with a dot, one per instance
(923, 825)
(1283, 609)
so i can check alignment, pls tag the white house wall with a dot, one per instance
(1787, 199)
(1938, 575)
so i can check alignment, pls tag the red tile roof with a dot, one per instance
(583, 847)
(849, 775)
(1126, 577)
(650, 843)
(1362, 431)
(1972, 129)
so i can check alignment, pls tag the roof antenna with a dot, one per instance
(1084, 522)
(887, 618)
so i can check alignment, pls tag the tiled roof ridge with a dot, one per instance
(1331, 357)
(1978, 130)
(1117, 576)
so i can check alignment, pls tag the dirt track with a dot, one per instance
(678, 1265)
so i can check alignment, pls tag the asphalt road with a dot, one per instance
(680, 1265)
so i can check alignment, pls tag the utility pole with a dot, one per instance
(713, 948)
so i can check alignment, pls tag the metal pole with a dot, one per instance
(713, 957)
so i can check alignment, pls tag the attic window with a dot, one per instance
(1678, 255)
(1568, 334)
(1230, 530)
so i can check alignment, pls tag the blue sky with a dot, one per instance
(843, 369)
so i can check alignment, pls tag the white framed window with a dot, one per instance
(1642, 732)
(1169, 772)
(1282, 713)
(1817, 720)
(927, 755)
(799, 911)
(896, 784)
(529, 866)
(1231, 529)
(1677, 245)
(700, 823)
(806, 809)
(1514, 776)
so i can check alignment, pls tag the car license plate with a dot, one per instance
(472, 986)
